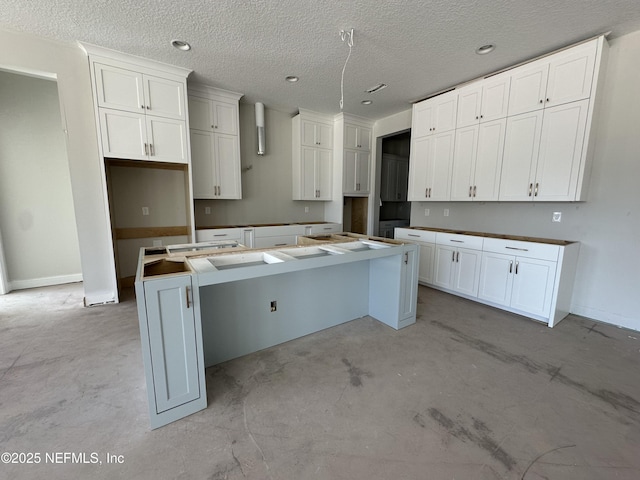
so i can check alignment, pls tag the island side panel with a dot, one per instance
(237, 317)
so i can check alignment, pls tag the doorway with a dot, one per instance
(394, 209)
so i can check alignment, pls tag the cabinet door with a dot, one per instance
(439, 167)
(228, 167)
(364, 138)
(324, 134)
(308, 133)
(419, 161)
(467, 271)
(202, 165)
(422, 119)
(167, 140)
(324, 163)
(408, 284)
(528, 87)
(164, 97)
(119, 88)
(469, 99)
(521, 147)
(445, 258)
(464, 160)
(349, 172)
(496, 278)
(363, 162)
(200, 114)
(533, 283)
(561, 146)
(172, 339)
(427, 255)
(446, 110)
(351, 139)
(225, 118)
(123, 134)
(495, 98)
(488, 165)
(571, 75)
(309, 190)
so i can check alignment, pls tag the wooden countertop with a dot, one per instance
(519, 238)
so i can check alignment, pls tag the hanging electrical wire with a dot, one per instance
(348, 37)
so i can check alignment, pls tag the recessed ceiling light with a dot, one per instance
(181, 45)
(376, 88)
(483, 50)
(366, 102)
(291, 78)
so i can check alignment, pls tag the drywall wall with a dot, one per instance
(36, 208)
(607, 224)
(27, 52)
(267, 185)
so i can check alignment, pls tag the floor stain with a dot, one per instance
(479, 434)
(355, 373)
(592, 329)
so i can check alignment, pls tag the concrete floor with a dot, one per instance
(468, 392)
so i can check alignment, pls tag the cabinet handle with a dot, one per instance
(541, 101)
(426, 193)
(510, 266)
(474, 190)
(516, 248)
(547, 99)
(146, 149)
(187, 293)
(142, 107)
(406, 258)
(457, 241)
(212, 126)
(481, 116)
(279, 244)
(517, 263)
(357, 187)
(536, 194)
(219, 190)
(530, 188)
(215, 126)
(457, 257)
(412, 235)
(220, 235)
(476, 117)
(470, 190)
(148, 107)
(429, 192)
(151, 149)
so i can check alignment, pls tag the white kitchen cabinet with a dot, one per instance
(477, 161)
(544, 154)
(434, 115)
(215, 143)
(483, 101)
(408, 284)
(426, 241)
(564, 77)
(169, 318)
(356, 172)
(215, 159)
(395, 178)
(142, 137)
(312, 157)
(357, 137)
(132, 91)
(457, 269)
(214, 234)
(430, 164)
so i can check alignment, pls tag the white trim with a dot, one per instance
(5, 286)
(606, 317)
(44, 281)
(202, 89)
(100, 298)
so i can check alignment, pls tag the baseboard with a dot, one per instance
(99, 298)
(44, 281)
(606, 317)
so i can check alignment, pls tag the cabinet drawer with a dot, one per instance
(218, 234)
(274, 241)
(543, 251)
(415, 235)
(323, 228)
(278, 230)
(457, 240)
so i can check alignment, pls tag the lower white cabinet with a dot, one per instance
(171, 334)
(356, 172)
(528, 277)
(215, 160)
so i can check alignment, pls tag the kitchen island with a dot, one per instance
(210, 303)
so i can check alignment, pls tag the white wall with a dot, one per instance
(607, 224)
(267, 187)
(36, 208)
(71, 67)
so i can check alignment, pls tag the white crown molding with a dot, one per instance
(200, 88)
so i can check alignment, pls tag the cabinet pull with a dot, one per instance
(215, 126)
(453, 256)
(152, 151)
(146, 149)
(148, 107)
(517, 263)
(481, 116)
(412, 235)
(187, 293)
(457, 241)
(476, 117)
(474, 191)
(212, 126)
(547, 99)
(530, 188)
(470, 187)
(357, 186)
(536, 194)
(406, 258)
(429, 192)
(220, 235)
(279, 244)
(457, 257)
(426, 193)
(510, 266)
(142, 107)
(540, 101)
(516, 248)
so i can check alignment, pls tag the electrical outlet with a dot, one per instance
(426, 212)
(207, 210)
(145, 210)
(446, 212)
(274, 305)
(306, 209)
(557, 217)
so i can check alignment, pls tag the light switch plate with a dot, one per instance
(145, 210)
(557, 217)
(207, 210)
(446, 212)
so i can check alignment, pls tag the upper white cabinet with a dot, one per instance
(357, 137)
(434, 115)
(560, 78)
(129, 90)
(215, 143)
(356, 172)
(354, 133)
(430, 164)
(483, 101)
(312, 155)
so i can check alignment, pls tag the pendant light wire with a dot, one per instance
(348, 37)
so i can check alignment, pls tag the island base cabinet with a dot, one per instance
(457, 269)
(171, 334)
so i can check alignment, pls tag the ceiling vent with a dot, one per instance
(376, 88)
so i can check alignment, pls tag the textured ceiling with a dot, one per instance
(417, 47)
